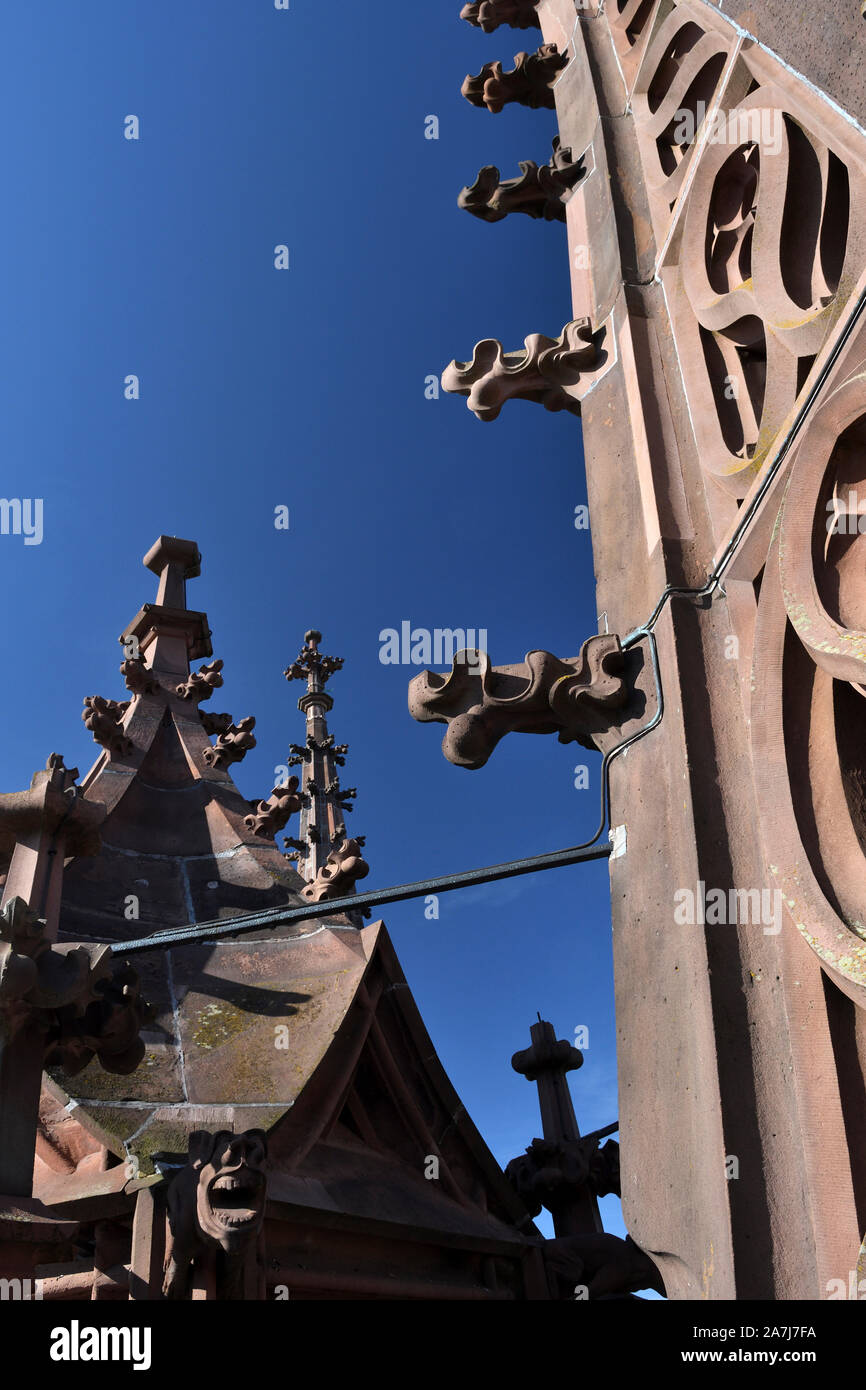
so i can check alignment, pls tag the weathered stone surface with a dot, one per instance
(86, 1004)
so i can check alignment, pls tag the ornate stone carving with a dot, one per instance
(216, 1203)
(343, 867)
(547, 371)
(540, 191)
(104, 720)
(310, 661)
(214, 724)
(489, 14)
(771, 223)
(137, 678)
(86, 1002)
(341, 795)
(269, 817)
(233, 744)
(529, 82)
(481, 703)
(201, 684)
(550, 1170)
(810, 671)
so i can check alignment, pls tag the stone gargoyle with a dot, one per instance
(481, 703)
(547, 371)
(216, 1208)
(529, 82)
(489, 14)
(539, 191)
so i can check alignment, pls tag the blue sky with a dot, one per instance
(305, 388)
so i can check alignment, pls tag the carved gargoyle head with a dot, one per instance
(230, 1195)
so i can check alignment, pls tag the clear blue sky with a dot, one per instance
(306, 388)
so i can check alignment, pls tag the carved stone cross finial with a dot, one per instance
(481, 703)
(310, 664)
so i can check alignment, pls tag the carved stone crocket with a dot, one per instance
(200, 685)
(540, 191)
(529, 82)
(548, 371)
(489, 14)
(233, 744)
(343, 866)
(480, 703)
(271, 816)
(104, 719)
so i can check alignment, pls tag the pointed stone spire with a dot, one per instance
(325, 802)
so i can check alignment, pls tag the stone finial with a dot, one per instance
(547, 371)
(489, 14)
(137, 678)
(271, 816)
(86, 1001)
(233, 744)
(310, 664)
(481, 703)
(216, 1203)
(529, 82)
(344, 865)
(104, 719)
(201, 684)
(540, 191)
